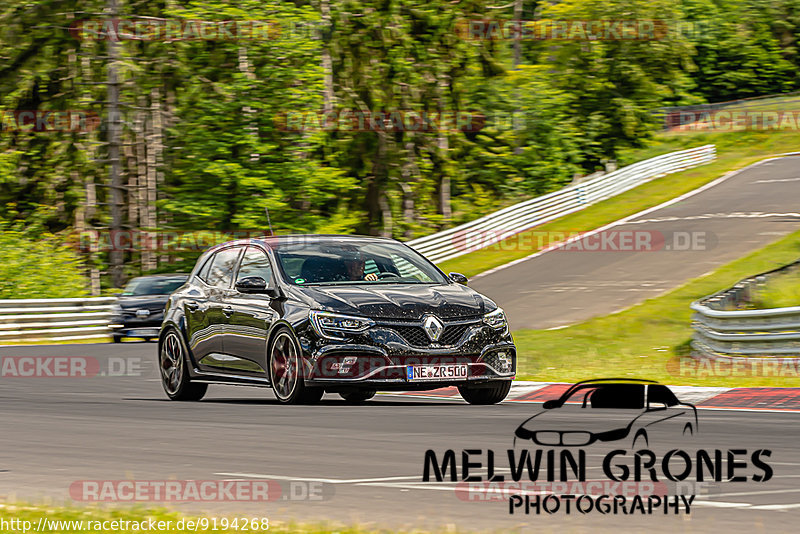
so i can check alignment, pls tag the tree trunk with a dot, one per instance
(117, 201)
(157, 148)
(151, 222)
(328, 96)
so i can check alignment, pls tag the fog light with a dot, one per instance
(504, 362)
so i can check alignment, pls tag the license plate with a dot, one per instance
(436, 372)
(144, 332)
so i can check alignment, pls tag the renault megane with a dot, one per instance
(350, 315)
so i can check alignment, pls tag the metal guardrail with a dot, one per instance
(495, 227)
(55, 319)
(721, 330)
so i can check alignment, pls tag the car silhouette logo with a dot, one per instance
(433, 327)
(610, 409)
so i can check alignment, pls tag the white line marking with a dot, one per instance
(774, 180)
(720, 504)
(775, 506)
(760, 492)
(737, 215)
(326, 480)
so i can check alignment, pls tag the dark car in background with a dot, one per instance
(343, 314)
(139, 311)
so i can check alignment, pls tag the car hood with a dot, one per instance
(575, 418)
(398, 301)
(149, 302)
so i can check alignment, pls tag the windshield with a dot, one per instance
(613, 396)
(153, 286)
(354, 262)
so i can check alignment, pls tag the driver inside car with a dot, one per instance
(354, 263)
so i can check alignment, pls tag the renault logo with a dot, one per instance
(433, 327)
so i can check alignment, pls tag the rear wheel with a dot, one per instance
(359, 395)
(493, 393)
(285, 371)
(174, 375)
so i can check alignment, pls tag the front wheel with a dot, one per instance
(285, 371)
(493, 393)
(174, 375)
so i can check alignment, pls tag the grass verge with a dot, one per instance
(734, 151)
(646, 340)
(782, 291)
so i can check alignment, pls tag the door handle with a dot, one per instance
(192, 305)
(228, 311)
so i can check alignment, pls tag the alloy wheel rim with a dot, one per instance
(284, 366)
(171, 363)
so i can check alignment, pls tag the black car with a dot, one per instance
(139, 311)
(345, 314)
(610, 409)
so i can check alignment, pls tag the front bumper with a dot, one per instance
(382, 356)
(132, 327)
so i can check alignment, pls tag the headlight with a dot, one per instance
(496, 319)
(335, 326)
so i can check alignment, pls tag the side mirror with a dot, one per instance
(459, 278)
(549, 405)
(251, 284)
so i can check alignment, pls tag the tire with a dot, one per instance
(117, 339)
(492, 394)
(174, 374)
(285, 371)
(359, 395)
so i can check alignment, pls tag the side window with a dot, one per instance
(255, 263)
(221, 272)
(659, 394)
(202, 274)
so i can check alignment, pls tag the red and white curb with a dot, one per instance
(717, 398)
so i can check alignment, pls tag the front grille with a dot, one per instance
(416, 336)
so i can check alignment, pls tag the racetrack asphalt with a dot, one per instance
(741, 214)
(365, 461)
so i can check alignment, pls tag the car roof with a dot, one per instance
(270, 241)
(607, 381)
(615, 381)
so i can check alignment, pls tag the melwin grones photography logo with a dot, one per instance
(653, 467)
